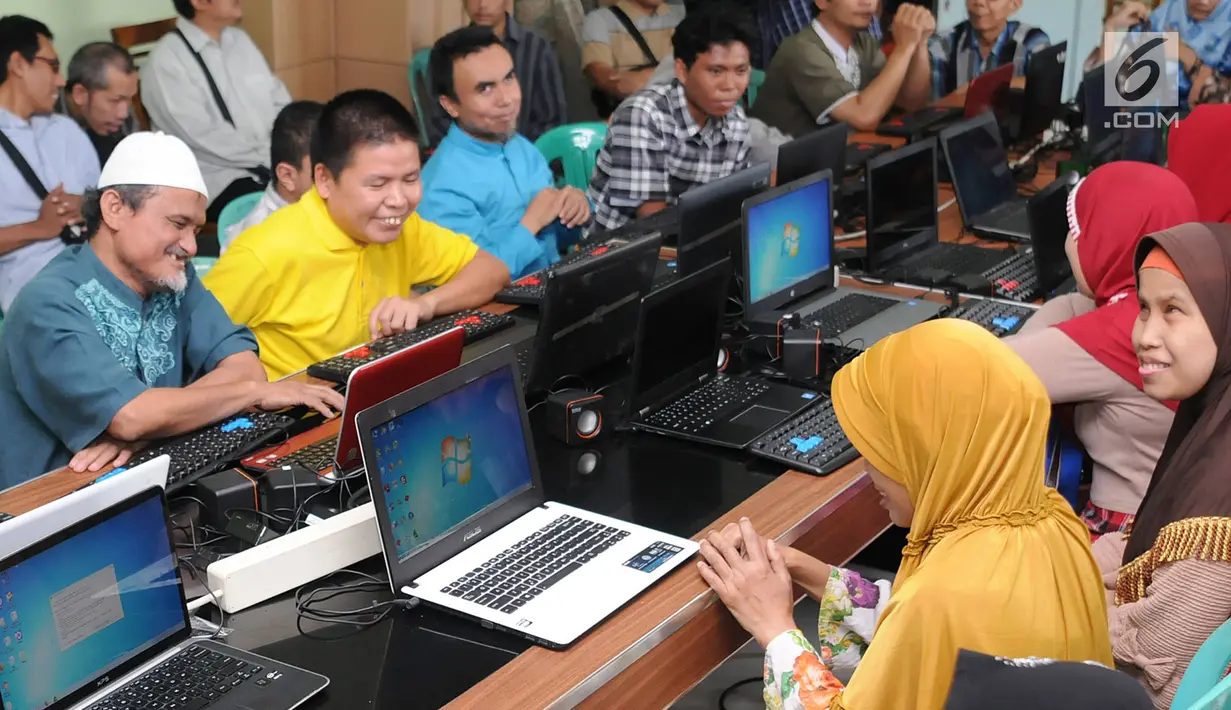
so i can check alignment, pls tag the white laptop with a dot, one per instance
(105, 491)
(463, 519)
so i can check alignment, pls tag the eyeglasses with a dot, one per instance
(54, 63)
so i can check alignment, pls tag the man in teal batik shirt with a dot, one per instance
(116, 342)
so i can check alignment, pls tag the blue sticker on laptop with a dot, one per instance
(809, 395)
(653, 557)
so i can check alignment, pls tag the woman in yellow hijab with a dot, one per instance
(953, 427)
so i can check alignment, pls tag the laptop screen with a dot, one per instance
(902, 204)
(788, 240)
(446, 461)
(1049, 228)
(980, 167)
(76, 610)
(822, 149)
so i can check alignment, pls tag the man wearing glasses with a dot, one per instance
(46, 161)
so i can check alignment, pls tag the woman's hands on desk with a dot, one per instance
(754, 585)
(105, 451)
(808, 572)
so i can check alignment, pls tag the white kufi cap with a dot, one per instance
(156, 159)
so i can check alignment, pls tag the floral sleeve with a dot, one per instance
(796, 676)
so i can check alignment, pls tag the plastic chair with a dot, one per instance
(1200, 686)
(755, 80)
(576, 146)
(420, 88)
(234, 212)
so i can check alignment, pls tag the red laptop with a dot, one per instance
(334, 445)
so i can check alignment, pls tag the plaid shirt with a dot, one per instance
(959, 46)
(655, 151)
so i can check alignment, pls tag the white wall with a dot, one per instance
(75, 22)
(1078, 21)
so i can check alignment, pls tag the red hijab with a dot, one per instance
(1199, 151)
(1109, 211)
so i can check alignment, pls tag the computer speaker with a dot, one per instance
(574, 416)
(803, 353)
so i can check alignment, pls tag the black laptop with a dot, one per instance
(677, 390)
(709, 222)
(1044, 88)
(983, 182)
(588, 315)
(1049, 228)
(903, 235)
(95, 617)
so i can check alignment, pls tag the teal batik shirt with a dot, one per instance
(78, 345)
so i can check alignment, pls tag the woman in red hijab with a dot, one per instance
(1199, 151)
(1080, 345)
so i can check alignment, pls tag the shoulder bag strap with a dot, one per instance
(27, 173)
(634, 33)
(213, 87)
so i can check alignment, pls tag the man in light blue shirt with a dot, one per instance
(485, 180)
(58, 152)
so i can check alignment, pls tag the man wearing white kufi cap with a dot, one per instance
(116, 342)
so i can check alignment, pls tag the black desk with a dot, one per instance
(424, 658)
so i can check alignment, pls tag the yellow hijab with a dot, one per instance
(995, 562)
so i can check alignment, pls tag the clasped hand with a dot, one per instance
(751, 578)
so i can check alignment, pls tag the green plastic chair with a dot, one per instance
(420, 87)
(576, 146)
(1200, 686)
(235, 211)
(755, 81)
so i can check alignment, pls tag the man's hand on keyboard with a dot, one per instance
(105, 451)
(397, 315)
(273, 396)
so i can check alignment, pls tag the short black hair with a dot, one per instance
(88, 66)
(19, 34)
(359, 117)
(717, 23)
(293, 129)
(185, 8)
(133, 196)
(458, 44)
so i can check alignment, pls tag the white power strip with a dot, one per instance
(290, 561)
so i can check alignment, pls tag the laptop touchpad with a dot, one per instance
(758, 417)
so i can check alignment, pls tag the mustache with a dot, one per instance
(177, 251)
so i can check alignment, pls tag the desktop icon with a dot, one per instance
(8, 641)
(13, 616)
(790, 240)
(3, 624)
(22, 656)
(455, 460)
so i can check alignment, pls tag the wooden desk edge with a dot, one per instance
(548, 679)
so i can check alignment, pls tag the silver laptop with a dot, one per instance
(463, 519)
(95, 617)
(789, 268)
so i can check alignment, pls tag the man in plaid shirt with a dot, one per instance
(667, 138)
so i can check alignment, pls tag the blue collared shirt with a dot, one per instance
(79, 344)
(482, 190)
(60, 153)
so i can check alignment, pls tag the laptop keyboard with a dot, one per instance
(314, 457)
(192, 679)
(1000, 318)
(811, 441)
(528, 290)
(696, 411)
(512, 579)
(848, 312)
(960, 259)
(477, 324)
(211, 449)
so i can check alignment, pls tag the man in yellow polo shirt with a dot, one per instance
(336, 269)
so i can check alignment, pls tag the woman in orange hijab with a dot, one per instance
(953, 427)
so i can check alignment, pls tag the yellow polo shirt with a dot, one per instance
(306, 289)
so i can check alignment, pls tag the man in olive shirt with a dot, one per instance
(834, 70)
